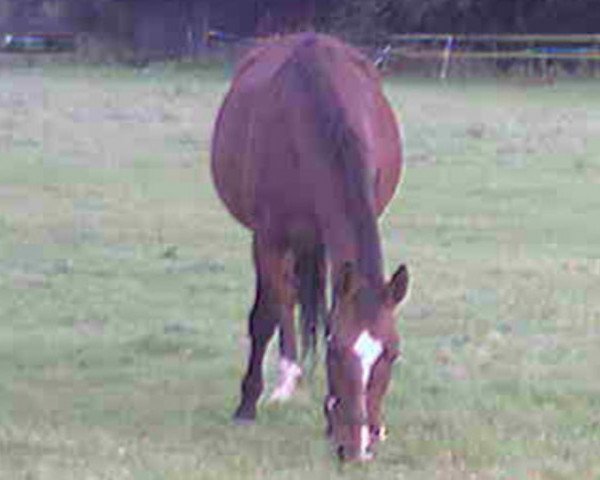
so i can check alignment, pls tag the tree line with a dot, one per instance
(359, 18)
(369, 19)
(150, 24)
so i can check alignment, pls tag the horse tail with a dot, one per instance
(310, 272)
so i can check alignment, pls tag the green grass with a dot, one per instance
(124, 286)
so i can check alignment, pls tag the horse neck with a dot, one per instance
(356, 240)
(345, 196)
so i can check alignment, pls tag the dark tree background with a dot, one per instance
(372, 18)
(367, 19)
(179, 27)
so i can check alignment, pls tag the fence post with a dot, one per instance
(446, 57)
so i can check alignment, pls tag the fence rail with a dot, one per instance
(500, 38)
(544, 51)
(37, 43)
(482, 55)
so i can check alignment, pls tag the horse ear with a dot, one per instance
(347, 283)
(396, 289)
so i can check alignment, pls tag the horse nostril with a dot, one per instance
(346, 456)
(378, 434)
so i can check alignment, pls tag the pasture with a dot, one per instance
(125, 286)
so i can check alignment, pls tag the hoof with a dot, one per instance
(243, 422)
(244, 417)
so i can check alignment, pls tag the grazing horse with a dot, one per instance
(306, 154)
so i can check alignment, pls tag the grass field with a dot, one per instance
(124, 286)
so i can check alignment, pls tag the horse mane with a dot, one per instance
(309, 71)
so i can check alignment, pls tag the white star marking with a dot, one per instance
(368, 350)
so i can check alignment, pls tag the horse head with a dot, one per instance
(362, 346)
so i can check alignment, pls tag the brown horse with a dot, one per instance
(306, 154)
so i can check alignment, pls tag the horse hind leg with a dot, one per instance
(311, 271)
(289, 371)
(273, 306)
(261, 326)
(289, 375)
(305, 276)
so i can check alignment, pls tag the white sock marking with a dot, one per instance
(289, 373)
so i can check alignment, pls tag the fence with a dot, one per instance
(38, 43)
(539, 55)
(441, 55)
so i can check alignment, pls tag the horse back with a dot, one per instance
(268, 153)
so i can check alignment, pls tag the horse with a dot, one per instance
(306, 153)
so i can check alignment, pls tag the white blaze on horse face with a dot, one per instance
(368, 349)
(365, 440)
(289, 373)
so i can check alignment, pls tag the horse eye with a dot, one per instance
(391, 354)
